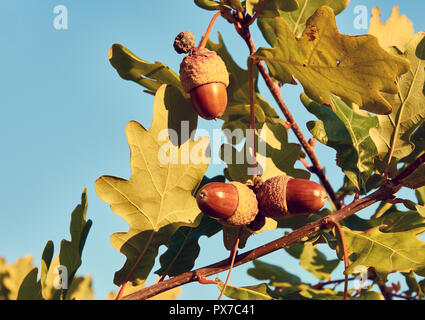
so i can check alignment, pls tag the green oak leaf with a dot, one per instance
(166, 168)
(208, 4)
(386, 252)
(420, 195)
(148, 75)
(413, 285)
(297, 18)
(184, 247)
(312, 260)
(408, 114)
(30, 288)
(46, 260)
(255, 292)
(237, 114)
(348, 132)
(273, 273)
(71, 251)
(275, 156)
(327, 62)
(418, 139)
(393, 220)
(235, 4)
(272, 8)
(416, 179)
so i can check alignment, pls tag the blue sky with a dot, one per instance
(64, 110)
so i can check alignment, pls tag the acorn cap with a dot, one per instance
(247, 206)
(200, 67)
(271, 197)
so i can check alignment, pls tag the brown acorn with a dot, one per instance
(204, 76)
(283, 196)
(232, 203)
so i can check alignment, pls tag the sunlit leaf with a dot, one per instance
(147, 74)
(397, 31)
(255, 292)
(158, 198)
(386, 252)
(347, 131)
(325, 61)
(408, 106)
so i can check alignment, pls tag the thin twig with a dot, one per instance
(207, 33)
(275, 91)
(344, 251)
(130, 274)
(232, 257)
(384, 192)
(257, 12)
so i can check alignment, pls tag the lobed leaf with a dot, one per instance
(255, 292)
(327, 62)
(386, 252)
(148, 75)
(348, 132)
(408, 114)
(275, 156)
(158, 198)
(297, 17)
(397, 31)
(272, 8)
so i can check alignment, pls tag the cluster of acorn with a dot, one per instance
(238, 204)
(204, 76)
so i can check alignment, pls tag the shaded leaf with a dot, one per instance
(158, 198)
(347, 131)
(325, 61)
(408, 111)
(273, 273)
(148, 75)
(30, 288)
(184, 247)
(237, 114)
(71, 251)
(314, 261)
(46, 259)
(275, 156)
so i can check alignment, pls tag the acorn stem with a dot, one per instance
(207, 33)
(232, 256)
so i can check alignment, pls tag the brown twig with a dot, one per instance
(344, 252)
(257, 12)
(275, 91)
(207, 33)
(386, 191)
(233, 253)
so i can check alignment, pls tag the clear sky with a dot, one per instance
(64, 110)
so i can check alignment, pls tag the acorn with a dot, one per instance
(232, 203)
(204, 76)
(284, 196)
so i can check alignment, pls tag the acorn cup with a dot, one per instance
(204, 76)
(283, 196)
(232, 203)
